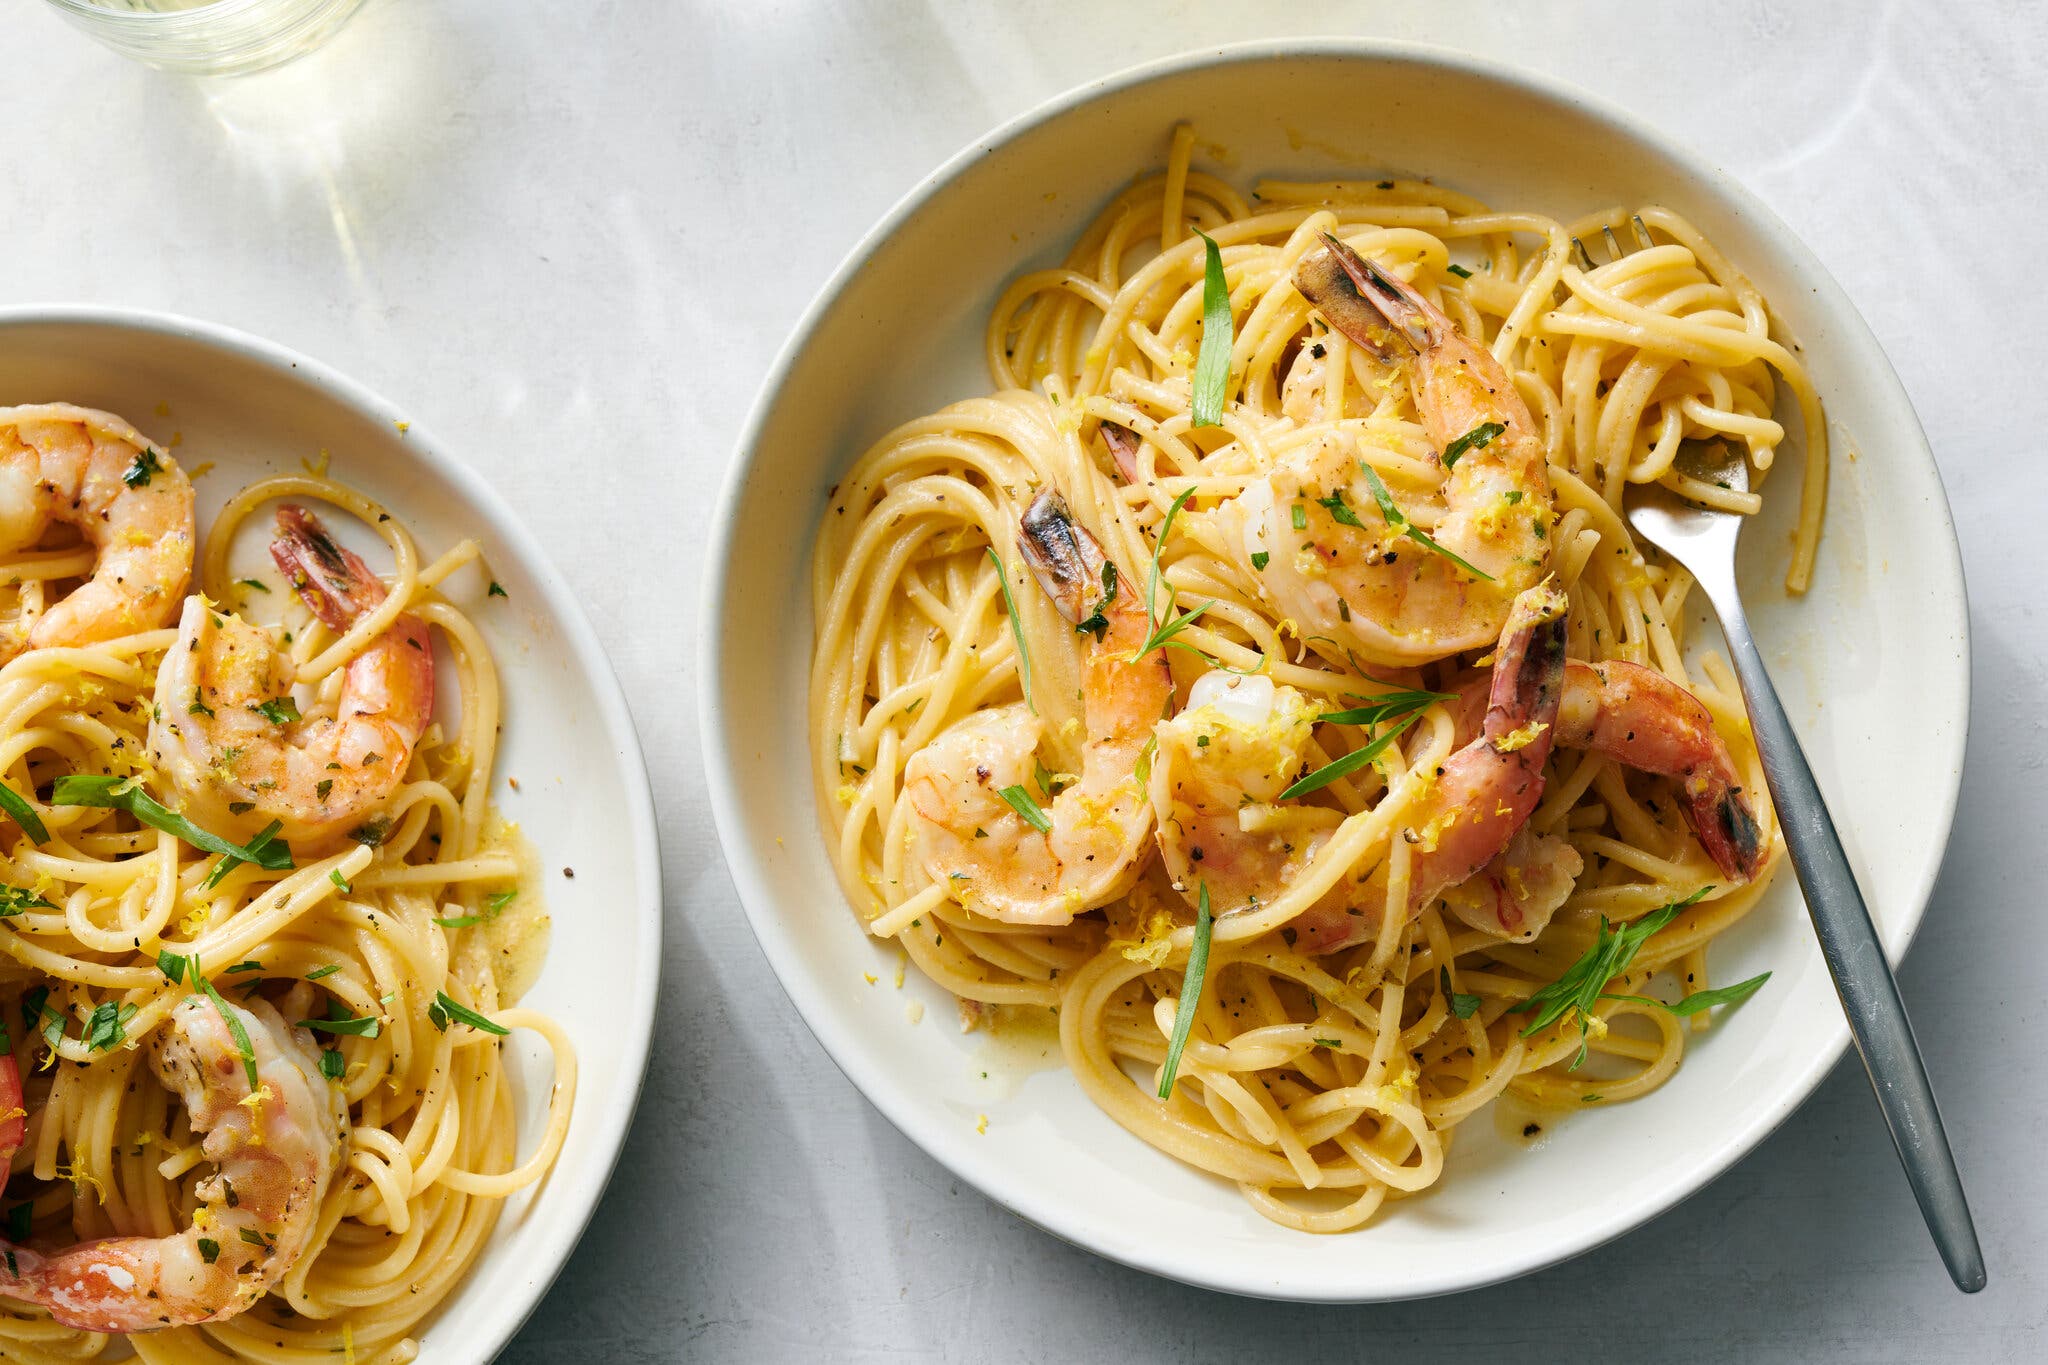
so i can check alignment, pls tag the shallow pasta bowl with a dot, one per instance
(898, 333)
(253, 409)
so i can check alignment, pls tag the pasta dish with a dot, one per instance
(263, 931)
(1263, 680)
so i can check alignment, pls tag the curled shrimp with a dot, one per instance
(132, 503)
(275, 1146)
(1087, 843)
(1319, 545)
(1224, 761)
(238, 765)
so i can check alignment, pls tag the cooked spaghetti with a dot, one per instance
(263, 932)
(1339, 766)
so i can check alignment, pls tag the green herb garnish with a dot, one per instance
(1163, 632)
(332, 1064)
(339, 1020)
(1212, 364)
(281, 711)
(1016, 627)
(21, 1220)
(1464, 1006)
(1384, 708)
(253, 584)
(334, 875)
(319, 972)
(231, 1018)
(1397, 521)
(16, 899)
(121, 793)
(23, 814)
(1021, 802)
(1474, 439)
(209, 1250)
(1460, 271)
(1581, 986)
(1348, 763)
(495, 591)
(1703, 1000)
(107, 1026)
(1260, 558)
(444, 1009)
(1096, 623)
(1339, 510)
(145, 467)
(1191, 983)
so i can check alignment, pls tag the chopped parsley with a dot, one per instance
(209, 1249)
(1339, 510)
(1260, 558)
(495, 590)
(146, 467)
(253, 584)
(1096, 623)
(1460, 271)
(325, 971)
(107, 1026)
(122, 793)
(332, 1064)
(281, 711)
(334, 875)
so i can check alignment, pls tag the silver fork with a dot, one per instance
(1703, 540)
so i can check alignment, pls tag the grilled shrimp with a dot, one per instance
(969, 836)
(275, 1146)
(1320, 547)
(131, 502)
(238, 766)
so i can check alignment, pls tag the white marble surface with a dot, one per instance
(570, 237)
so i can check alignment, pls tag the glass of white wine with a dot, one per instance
(210, 37)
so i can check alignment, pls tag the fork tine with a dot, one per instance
(1614, 251)
(1642, 232)
(1580, 247)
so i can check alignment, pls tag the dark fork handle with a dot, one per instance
(1863, 979)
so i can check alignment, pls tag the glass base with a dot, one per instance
(210, 37)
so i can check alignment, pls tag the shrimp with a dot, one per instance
(1640, 718)
(1215, 787)
(276, 1147)
(1087, 845)
(1225, 759)
(238, 766)
(1632, 714)
(132, 503)
(1320, 547)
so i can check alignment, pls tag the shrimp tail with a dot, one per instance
(1726, 829)
(1067, 561)
(1123, 448)
(1369, 306)
(1528, 670)
(333, 580)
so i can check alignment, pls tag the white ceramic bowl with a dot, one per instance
(897, 333)
(253, 409)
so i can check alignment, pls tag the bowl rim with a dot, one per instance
(586, 1185)
(723, 771)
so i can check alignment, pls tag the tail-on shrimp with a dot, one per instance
(1640, 718)
(236, 766)
(130, 501)
(1225, 759)
(969, 836)
(1312, 531)
(276, 1147)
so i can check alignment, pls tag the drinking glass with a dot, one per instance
(209, 37)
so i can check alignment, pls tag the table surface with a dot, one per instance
(534, 223)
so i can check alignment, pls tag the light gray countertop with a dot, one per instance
(571, 236)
